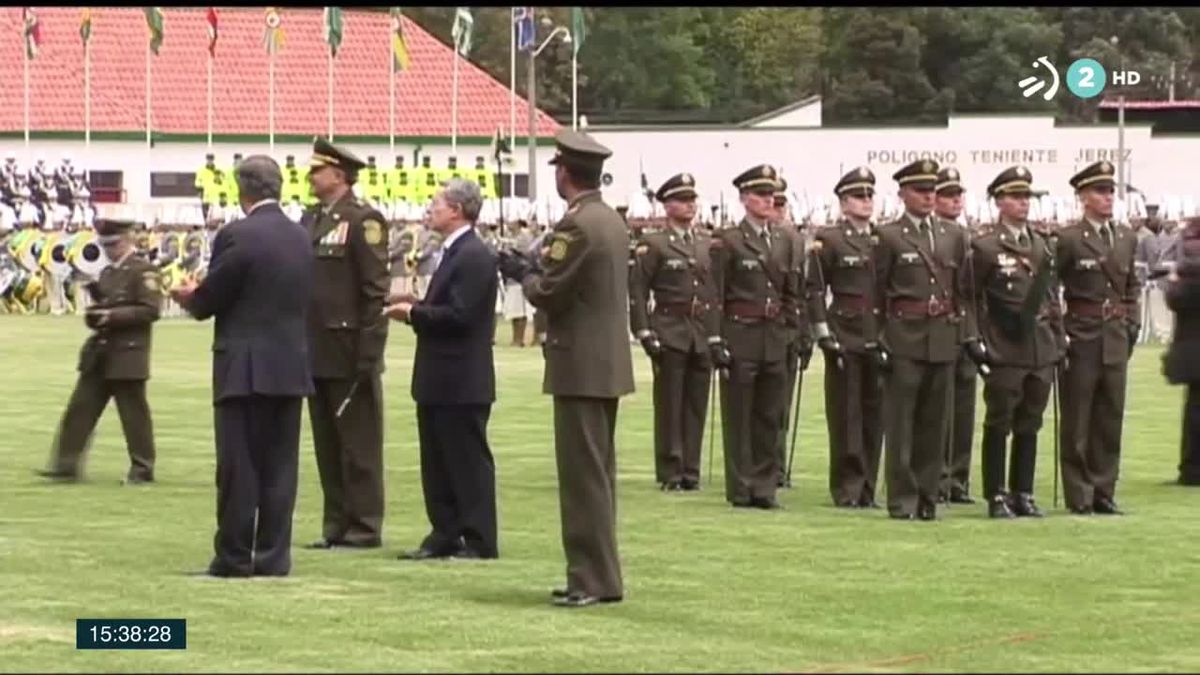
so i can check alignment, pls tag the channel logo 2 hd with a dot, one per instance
(1085, 79)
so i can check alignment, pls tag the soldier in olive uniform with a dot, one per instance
(115, 360)
(956, 474)
(801, 346)
(921, 290)
(1016, 304)
(583, 289)
(1095, 261)
(756, 269)
(674, 265)
(348, 334)
(841, 262)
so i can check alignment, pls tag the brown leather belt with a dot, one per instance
(933, 307)
(854, 303)
(1097, 310)
(683, 309)
(752, 310)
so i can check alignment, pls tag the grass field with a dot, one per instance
(708, 587)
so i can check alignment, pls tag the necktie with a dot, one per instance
(927, 229)
(1106, 230)
(766, 237)
(1022, 240)
(687, 238)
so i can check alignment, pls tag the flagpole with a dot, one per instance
(147, 95)
(454, 107)
(271, 99)
(210, 99)
(392, 106)
(575, 88)
(331, 95)
(512, 87)
(87, 101)
(27, 99)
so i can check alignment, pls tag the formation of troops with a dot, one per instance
(908, 315)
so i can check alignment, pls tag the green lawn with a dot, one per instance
(707, 587)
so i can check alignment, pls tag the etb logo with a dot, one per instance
(1085, 78)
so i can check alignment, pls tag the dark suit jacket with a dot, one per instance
(455, 323)
(259, 286)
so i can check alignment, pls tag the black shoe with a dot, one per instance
(927, 512)
(742, 503)
(960, 496)
(671, 486)
(471, 553)
(60, 475)
(1080, 510)
(137, 480)
(1107, 507)
(689, 485)
(998, 508)
(765, 503)
(783, 483)
(900, 515)
(846, 504)
(1022, 506)
(581, 599)
(1190, 481)
(559, 592)
(322, 544)
(427, 554)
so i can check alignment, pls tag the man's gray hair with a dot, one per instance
(258, 178)
(464, 194)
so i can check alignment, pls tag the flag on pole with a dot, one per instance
(578, 28)
(154, 21)
(85, 25)
(273, 33)
(211, 15)
(526, 28)
(463, 23)
(399, 45)
(33, 32)
(333, 29)
(500, 144)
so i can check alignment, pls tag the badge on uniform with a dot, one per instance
(910, 257)
(641, 249)
(675, 264)
(1088, 264)
(373, 232)
(336, 236)
(749, 263)
(558, 250)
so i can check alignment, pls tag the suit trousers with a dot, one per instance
(1016, 401)
(258, 448)
(458, 477)
(853, 398)
(585, 453)
(88, 401)
(349, 458)
(956, 475)
(1093, 413)
(1189, 460)
(681, 388)
(752, 405)
(916, 413)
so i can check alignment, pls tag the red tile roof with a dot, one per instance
(180, 71)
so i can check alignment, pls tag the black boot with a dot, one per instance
(991, 454)
(1022, 506)
(998, 507)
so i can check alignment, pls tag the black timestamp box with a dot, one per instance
(131, 634)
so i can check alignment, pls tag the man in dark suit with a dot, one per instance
(454, 381)
(583, 288)
(257, 287)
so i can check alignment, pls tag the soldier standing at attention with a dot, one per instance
(348, 335)
(956, 475)
(115, 360)
(583, 288)
(841, 262)
(1017, 305)
(921, 289)
(673, 264)
(800, 349)
(1095, 259)
(755, 269)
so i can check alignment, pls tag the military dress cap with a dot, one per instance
(781, 191)
(679, 186)
(1014, 180)
(920, 172)
(948, 179)
(762, 178)
(328, 154)
(578, 149)
(858, 180)
(1098, 174)
(109, 230)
